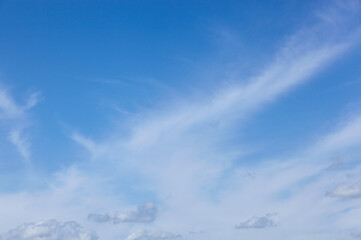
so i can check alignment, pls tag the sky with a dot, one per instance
(187, 120)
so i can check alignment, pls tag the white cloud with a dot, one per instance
(9, 109)
(20, 142)
(348, 134)
(145, 235)
(346, 191)
(304, 55)
(14, 115)
(145, 213)
(176, 150)
(95, 149)
(32, 100)
(258, 222)
(301, 58)
(49, 230)
(176, 155)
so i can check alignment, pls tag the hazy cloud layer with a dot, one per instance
(258, 222)
(145, 235)
(49, 230)
(145, 213)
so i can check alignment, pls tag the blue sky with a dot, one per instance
(161, 120)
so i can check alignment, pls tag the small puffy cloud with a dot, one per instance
(145, 213)
(258, 222)
(346, 191)
(145, 235)
(49, 230)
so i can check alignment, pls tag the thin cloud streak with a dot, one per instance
(20, 142)
(15, 116)
(294, 65)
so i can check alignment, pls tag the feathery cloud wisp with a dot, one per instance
(15, 115)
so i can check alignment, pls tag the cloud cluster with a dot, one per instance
(145, 235)
(175, 143)
(145, 213)
(49, 230)
(346, 191)
(258, 222)
(180, 160)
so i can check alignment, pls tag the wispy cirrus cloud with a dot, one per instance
(17, 138)
(178, 152)
(14, 115)
(177, 149)
(9, 109)
(302, 56)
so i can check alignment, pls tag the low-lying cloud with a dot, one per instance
(49, 230)
(346, 191)
(258, 222)
(145, 213)
(145, 235)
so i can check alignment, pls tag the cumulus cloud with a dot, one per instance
(145, 213)
(49, 230)
(145, 235)
(258, 222)
(346, 191)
